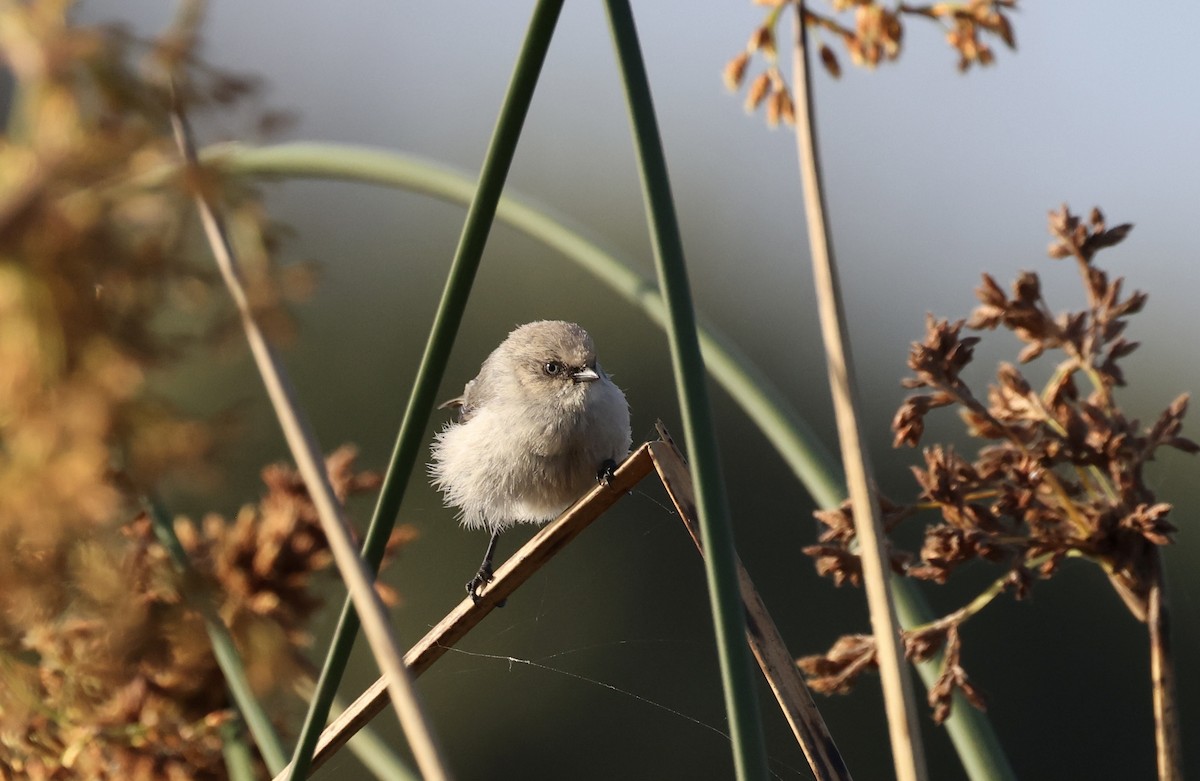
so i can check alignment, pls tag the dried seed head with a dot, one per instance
(830, 61)
(759, 89)
(836, 671)
(1060, 473)
(787, 109)
(775, 107)
(735, 71)
(762, 40)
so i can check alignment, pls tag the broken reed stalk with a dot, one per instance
(311, 464)
(776, 661)
(520, 567)
(908, 754)
(1168, 750)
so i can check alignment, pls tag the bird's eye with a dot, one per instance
(552, 368)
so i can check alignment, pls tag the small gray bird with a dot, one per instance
(538, 426)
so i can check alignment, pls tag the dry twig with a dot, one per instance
(908, 753)
(307, 453)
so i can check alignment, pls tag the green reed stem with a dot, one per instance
(224, 649)
(716, 529)
(238, 759)
(437, 351)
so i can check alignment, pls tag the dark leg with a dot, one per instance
(604, 474)
(484, 575)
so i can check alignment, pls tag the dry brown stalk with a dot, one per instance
(908, 754)
(305, 450)
(1168, 748)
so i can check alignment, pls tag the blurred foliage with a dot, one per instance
(107, 668)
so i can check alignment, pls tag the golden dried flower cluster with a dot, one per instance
(768, 88)
(108, 671)
(871, 34)
(117, 678)
(1060, 470)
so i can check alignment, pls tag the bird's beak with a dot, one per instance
(585, 375)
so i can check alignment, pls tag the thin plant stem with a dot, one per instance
(741, 701)
(1168, 749)
(310, 463)
(977, 745)
(422, 398)
(977, 603)
(908, 754)
(376, 755)
(238, 759)
(224, 650)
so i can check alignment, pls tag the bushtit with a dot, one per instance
(538, 426)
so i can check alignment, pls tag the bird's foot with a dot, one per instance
(606, 472)
(482, 578)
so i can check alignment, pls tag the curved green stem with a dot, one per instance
(764, 402)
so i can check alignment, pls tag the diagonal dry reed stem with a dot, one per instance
(908, 754)
(773, 656)
(311, 465)
(777, 663)
(1168, 750)
(467, 614)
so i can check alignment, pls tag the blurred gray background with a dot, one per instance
(934, 177)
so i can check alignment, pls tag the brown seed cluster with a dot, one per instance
(870, 33)
(121, 681)
(260, 564)
(108, 671)
(768, 88)
(1059, 471)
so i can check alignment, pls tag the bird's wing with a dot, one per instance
(459, 405)
(463, 404)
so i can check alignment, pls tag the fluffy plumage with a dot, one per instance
(534, 428)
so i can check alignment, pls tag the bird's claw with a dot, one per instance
(606, 472)
(482, 578)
